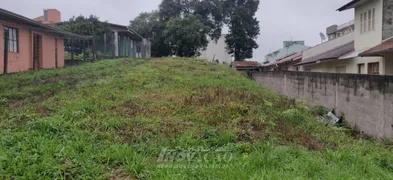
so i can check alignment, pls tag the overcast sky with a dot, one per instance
(279, 20)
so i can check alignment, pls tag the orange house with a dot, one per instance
(27, 44)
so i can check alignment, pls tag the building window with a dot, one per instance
(360, 68)
(373, 68)
(367, 21)
(12, 38)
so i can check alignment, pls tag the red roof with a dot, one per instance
(245, 64)
(384, 47)
(290, 58)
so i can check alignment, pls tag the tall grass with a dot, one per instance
(169, 119)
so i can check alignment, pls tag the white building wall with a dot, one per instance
(217, 51)
(369, 39)
(351, 65)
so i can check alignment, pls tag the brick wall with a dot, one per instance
(365, 100)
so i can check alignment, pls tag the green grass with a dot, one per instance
(114, 119)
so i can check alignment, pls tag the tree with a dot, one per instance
(175, 16)
(170, 29)
(186, 36)
(88, 26)
(243, 28)
(148, 25)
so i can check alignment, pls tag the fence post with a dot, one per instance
(104, 43)
(94, 49)
(72, 49)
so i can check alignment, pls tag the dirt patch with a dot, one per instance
(119, 175)
(290, 133)
(251, 130)
(213, 95)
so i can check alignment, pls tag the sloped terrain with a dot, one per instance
(169, 119)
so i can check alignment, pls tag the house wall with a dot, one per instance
(389, 63)
(324, 47)
(351, 65)
(54, 16)
(60, 52)
(370, 39)
(365, 100)
(23, 59)
(48, 55)
(217, 50)
(18, 61)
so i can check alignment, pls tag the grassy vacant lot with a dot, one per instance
(169, 119)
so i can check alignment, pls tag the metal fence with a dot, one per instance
(106, 47)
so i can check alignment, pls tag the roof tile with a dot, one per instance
(384, 47)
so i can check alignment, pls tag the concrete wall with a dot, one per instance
(351, 65)
(23, 59)
(365, 100)
(324, 47)
(217, 50)
(370, 39)
(387, 22)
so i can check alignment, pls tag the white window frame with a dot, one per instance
(367, 21)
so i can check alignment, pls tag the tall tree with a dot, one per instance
(243, 28)
(149, 25)
(186, 36)
(171, 17)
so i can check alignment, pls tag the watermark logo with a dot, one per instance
(194, 158)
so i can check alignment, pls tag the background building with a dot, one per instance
(289, 48)
(28, 44)
(50, 16)
(335, 31)
(216, 51)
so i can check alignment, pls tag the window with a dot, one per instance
(12, 38)
(367, 21)
(373, 68)
(360, 68)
